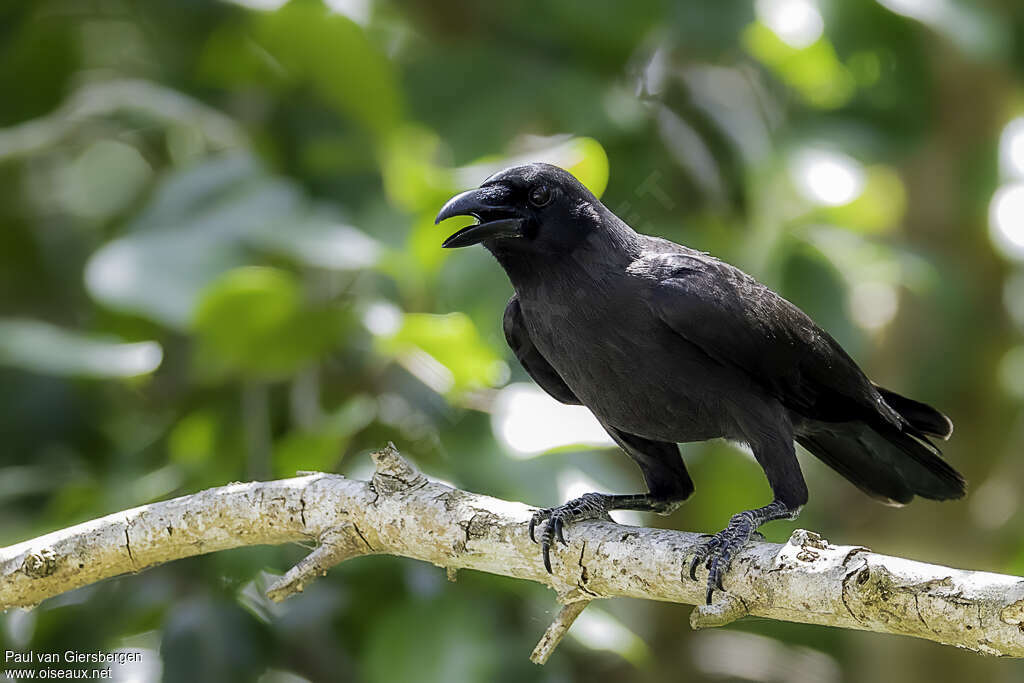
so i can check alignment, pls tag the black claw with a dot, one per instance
(589, 506)
(716, 553)
(559, 525)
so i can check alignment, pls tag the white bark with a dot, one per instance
(400, 512)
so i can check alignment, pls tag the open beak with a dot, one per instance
(489, 206)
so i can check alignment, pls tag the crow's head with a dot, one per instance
(533, 208)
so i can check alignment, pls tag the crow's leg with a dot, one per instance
(667, 480)
(775, 453)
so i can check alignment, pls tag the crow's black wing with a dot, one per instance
(740, 323)
(518, 338)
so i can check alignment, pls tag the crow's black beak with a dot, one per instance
(489, 206)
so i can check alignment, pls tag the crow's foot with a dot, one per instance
(717, 551)
(587, 506)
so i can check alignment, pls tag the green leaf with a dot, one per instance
(451, 341)
(587, 160)
(306, 44)
(321, 242)
(193, 440)
(187, 235)
(814, 71)
(253, 321)
(40, 347)
(412, 177)
(204, 221)
(103, 180)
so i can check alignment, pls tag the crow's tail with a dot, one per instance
(920, 416)
(883, 461)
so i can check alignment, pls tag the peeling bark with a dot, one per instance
(401, 512)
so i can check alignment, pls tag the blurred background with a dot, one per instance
(218, 262)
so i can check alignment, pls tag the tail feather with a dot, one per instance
(883, 461)
(921, 416)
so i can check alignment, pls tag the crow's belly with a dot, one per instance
(646, 383)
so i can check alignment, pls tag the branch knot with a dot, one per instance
(40, 564)
(394, 473)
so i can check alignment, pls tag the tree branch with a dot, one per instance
(401, 512)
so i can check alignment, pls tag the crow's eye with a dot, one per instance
(540, 195)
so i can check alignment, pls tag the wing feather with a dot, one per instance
(739, 322)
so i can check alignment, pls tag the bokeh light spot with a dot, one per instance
(529, 422)
(382, 318)
(1006, 220)
(599, 630)
(873, 304)
(797, 23)
(827, 177)
(994, 503)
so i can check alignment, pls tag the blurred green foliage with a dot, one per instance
(218, 260)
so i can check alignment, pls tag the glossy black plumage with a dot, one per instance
(667, 345)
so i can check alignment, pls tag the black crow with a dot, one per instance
(667, 345)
